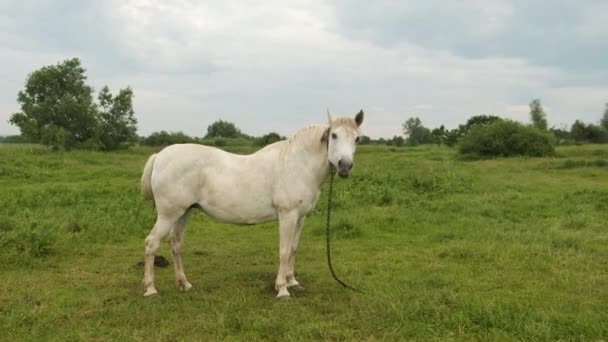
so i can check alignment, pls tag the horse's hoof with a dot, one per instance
(184, 287)
(297, 288)
(284, 298)
(151, 293)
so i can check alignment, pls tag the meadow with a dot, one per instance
(444, 249)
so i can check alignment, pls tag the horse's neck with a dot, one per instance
(307, 146)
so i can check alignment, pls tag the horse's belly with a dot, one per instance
(237, 206)
(239, 215)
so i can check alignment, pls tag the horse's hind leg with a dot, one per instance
(177, 238)
(161, 229)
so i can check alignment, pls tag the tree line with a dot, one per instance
(58, 109)
(577, 133)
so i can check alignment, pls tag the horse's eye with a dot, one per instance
(334, 136)
(357, 139)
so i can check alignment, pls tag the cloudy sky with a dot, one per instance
(277, 65)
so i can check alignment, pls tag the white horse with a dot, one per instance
(282, 180)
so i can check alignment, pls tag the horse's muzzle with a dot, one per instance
(343, 174)
(344, 168)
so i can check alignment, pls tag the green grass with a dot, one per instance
(445, 249)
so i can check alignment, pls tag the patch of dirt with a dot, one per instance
(159, 261)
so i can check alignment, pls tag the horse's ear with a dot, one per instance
(325, 136)
(330, 118)
(359, 118)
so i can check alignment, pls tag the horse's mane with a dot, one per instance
(312, 134)
(312, 130)
(315, 132)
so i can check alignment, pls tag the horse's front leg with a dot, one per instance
(287, 227)
(292, 283)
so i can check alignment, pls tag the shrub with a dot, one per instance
(220, 142)
(268, 139)
(164, 138)
(506, 138)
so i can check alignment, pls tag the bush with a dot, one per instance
(506, 138)
(268, 139)
(452, 137)
(164, 138)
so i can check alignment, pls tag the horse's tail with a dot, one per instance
(146, 187)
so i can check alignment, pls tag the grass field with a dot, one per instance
(505, 249)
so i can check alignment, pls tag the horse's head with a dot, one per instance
(342, 137)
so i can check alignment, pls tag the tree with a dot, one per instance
(397, 141)
(116, 118)
(604, 121)
(452, 136)
(578, 132)
(222, 129)
(562, 135)
(537, 115)
(416, 133)
(365, 140)
(595, 134)
(57, 109)
(590, 133)
(56, 105)
(439, 135)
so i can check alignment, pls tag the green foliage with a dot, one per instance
(506, 138)
(595, 134)
(116, 119)
(604, 120)
(537, 115)
(562, 136)
(590, 133)
(223, 129)
(416, 133)
(14, 139)
(56, 98)
(478, 120)
(268, 139)
(397, 140)
(164, 138)
(439, 135)
(57, 109)
(365, 140)
(452, 137)
(54, 136)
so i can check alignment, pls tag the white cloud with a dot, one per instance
(278, 65)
